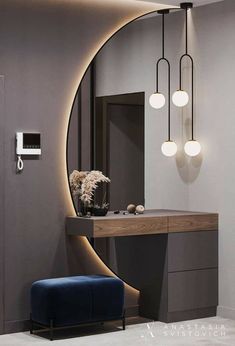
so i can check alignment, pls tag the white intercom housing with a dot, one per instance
(27, 143)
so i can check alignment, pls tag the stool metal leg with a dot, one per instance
(124, 320)
(51, 330)
(31, 324)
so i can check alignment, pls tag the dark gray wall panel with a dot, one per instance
(192, 290)
(86, 123)
(192, 250)
(2, 162)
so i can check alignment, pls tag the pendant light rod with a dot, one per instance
(186, 31)
(186, 6)
(163, 35)
(163, 13)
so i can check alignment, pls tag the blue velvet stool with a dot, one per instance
(76, 300)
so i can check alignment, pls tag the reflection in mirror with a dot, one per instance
(114, 129)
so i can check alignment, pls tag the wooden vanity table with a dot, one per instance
(184, 274)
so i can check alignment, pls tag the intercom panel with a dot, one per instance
(28, 143)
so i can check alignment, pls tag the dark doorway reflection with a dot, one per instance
(119, 147)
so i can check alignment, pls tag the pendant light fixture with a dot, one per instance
(157, 100)
(180, 98)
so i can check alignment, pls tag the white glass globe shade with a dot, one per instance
(169, 148)
(192, 148)
(157, 100)
(180, 98)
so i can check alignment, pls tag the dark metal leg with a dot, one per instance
(51, 330)
(124, 320)
(31, 324)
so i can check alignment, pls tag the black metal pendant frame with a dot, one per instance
(186, 6)
(164, 59)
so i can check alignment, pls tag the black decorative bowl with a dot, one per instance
(100, 211)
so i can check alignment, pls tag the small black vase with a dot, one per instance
(100, 211)
(84, 209)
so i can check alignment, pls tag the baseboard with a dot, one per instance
(16, 326)
(225, 312)
(190, 314)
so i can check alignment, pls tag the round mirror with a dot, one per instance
(113, 129)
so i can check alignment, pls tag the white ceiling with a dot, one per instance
(177, 2)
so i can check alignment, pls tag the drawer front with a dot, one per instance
(191, 223)
(192, 290)
(192, 250)
(130, 226)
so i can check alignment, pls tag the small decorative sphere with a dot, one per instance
(157, 100)
(140, 209)
(180, 98)
(169, 148)
(192, 148)
(131, 208)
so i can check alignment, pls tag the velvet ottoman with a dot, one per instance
(76, 300)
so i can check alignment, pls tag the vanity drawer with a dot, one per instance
(193, 222)
(192, 250)
(192, 290)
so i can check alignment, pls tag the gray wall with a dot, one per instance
(2, 120)
(204, 183)
(45, 46)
